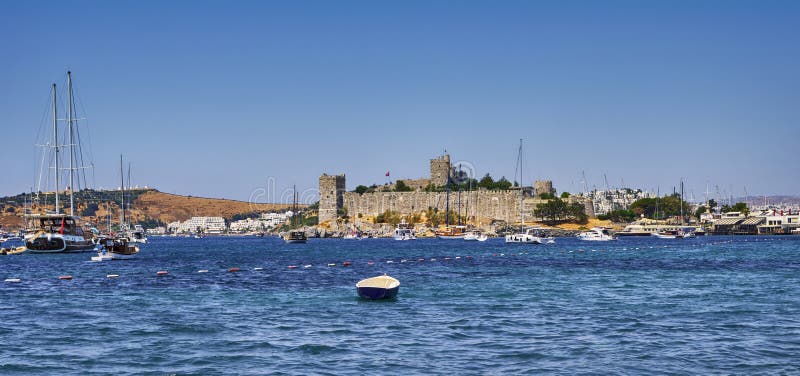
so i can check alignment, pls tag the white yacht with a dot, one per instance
(598, 234)
(404, 231)
(475, 235)
(138, 235)
(529, 237)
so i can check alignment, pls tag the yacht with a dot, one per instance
(57, 233)
(597, 234)
(475, 235)
(451, 232)
(138, 235)
(528, 236)
(404, 231)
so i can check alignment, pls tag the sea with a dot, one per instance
(710, 305)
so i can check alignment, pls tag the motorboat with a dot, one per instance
(119, 248)
(295, 237)
(597, 234)
(475, 235)
(664, 235)
(528, 237)
(404, 231)
(381, 287)
(138, 235)
(12, 250)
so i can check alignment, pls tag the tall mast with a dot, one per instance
(447, 203)
(55, 142)
(122, 188)
(458, 217)
(521, 207)
(71, 147)
(681, 202)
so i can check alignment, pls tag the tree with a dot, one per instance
(486, 182)
(547, 196)
(700, 210)
(90, 210)
(564, 194)
(619, 216)
(668, 206)
(502, 184)
(738, 207)
(401, 186)
(361, 189)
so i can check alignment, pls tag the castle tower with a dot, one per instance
(440, 169)
(331, 196)
(543, 186)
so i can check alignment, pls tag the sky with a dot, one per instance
(243, 100)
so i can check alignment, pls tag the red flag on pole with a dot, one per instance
(387, 173)
(61, 230)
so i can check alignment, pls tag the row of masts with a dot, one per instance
(70, 144)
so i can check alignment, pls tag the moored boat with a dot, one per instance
(295, 237)
(381, 287)
(404, 231)
(57, 233)
(451, 232)
(597, 234)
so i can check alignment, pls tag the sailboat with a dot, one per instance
(295, 236)
(451, 232)
(526, 236)
(59, 232)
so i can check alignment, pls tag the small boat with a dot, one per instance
(664, 235)
(451, 232)
(381, 287)
(138, 235)
(12, 250)
(404, 231)
(475, 235)
(295, 237)
(597, 234)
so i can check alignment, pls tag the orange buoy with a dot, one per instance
(65, 277)
(292, 266)
(162, 272)
(233, 270)
(370, 263)
(347, 263)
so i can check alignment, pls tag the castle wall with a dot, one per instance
(481, 206)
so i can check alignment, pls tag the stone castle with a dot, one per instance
(480, 206)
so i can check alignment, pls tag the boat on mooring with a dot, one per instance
(375, 288)
(597, 234)
(296, 236)
(404, 231)
(60, 232)
(119, 248)
(525, 236)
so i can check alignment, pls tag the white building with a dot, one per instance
(206, 225)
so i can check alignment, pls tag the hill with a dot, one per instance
(148, 207)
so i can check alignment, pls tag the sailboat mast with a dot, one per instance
(55, 143)
(447, 203)
(122, 189)
(681, 202)
(521, 207)
(71, 148)
(458, 218)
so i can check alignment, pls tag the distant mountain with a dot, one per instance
(148, 207)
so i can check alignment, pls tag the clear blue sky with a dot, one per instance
(211, 98)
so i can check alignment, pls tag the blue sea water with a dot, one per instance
(712, 305)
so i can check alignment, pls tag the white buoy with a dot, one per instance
(13, 280)
(258, 269)
(112, 276)
(203, 271)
